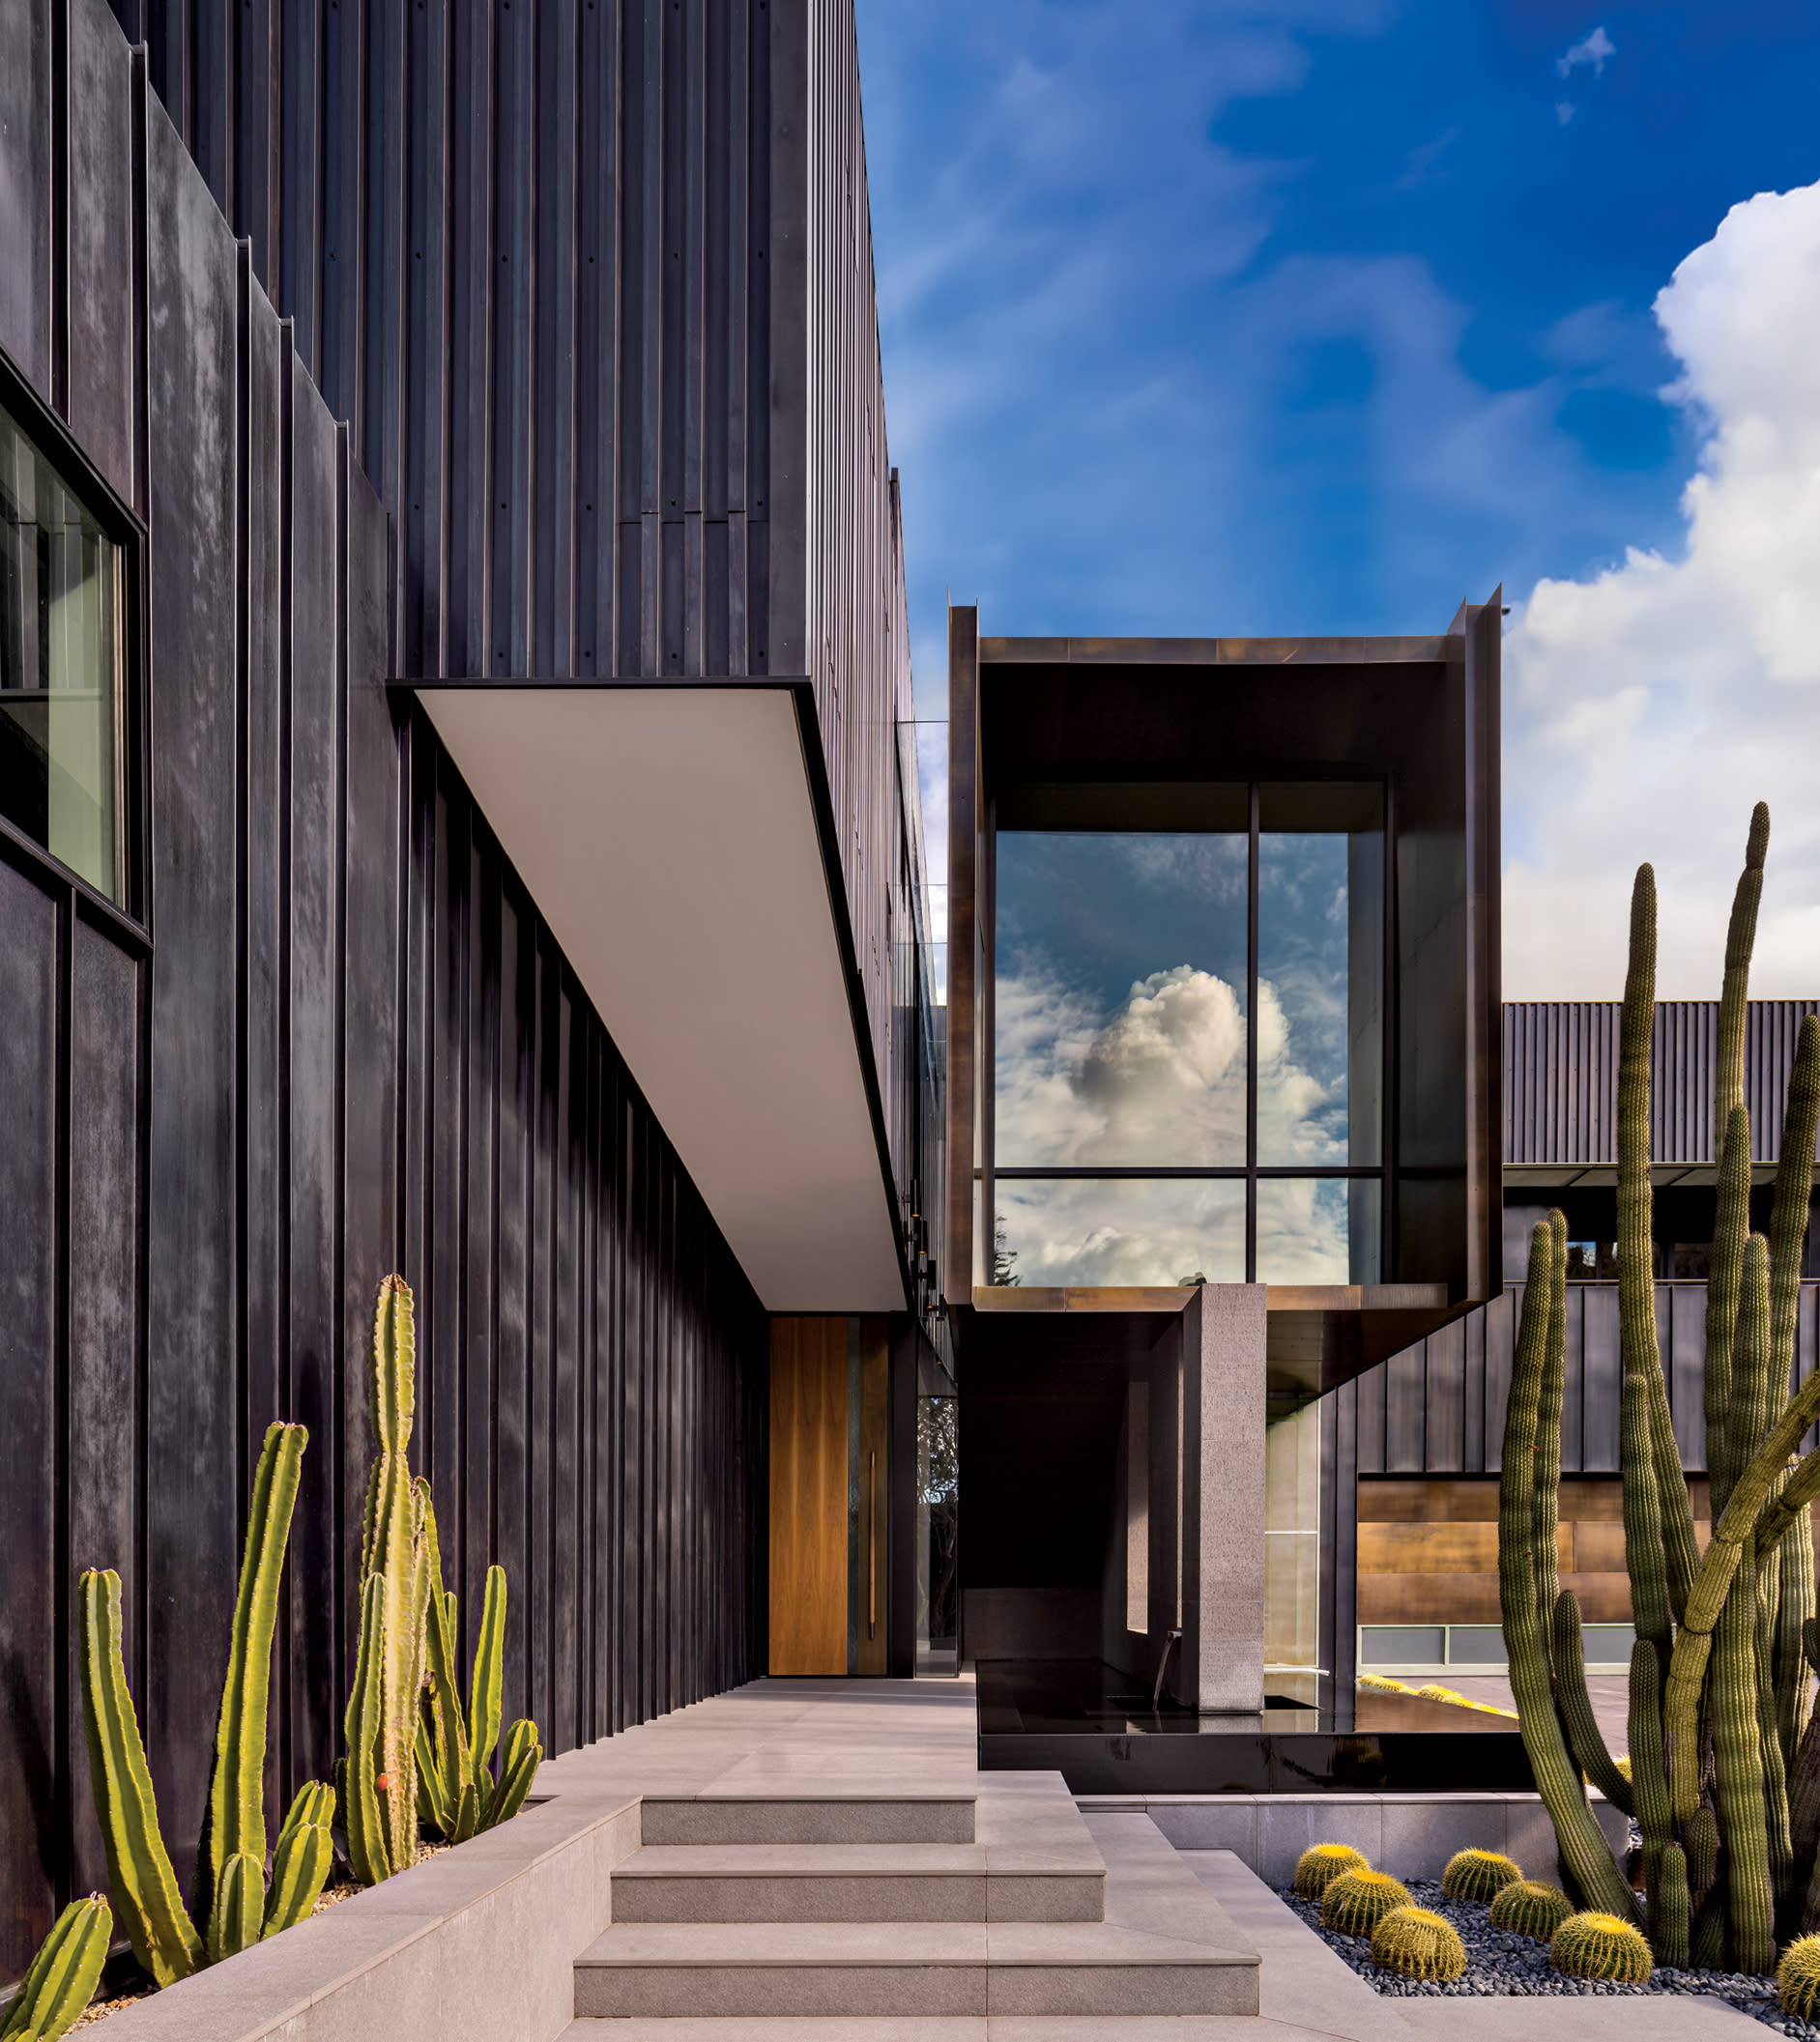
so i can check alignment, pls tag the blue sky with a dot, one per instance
(1296, 316)
(1323, 316)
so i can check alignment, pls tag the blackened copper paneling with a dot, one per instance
(1561, 1078)
(592, 285)
(347, 1044)
(1409, 1444)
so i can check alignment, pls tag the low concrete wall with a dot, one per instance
(1408, 1836)
(478, 1944)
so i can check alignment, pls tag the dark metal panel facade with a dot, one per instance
(591, 282)
(1561, 1078)
(342, 1042)
(1468, 1366)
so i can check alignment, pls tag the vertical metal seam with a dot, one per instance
(1251, 1034)
(63, 1304)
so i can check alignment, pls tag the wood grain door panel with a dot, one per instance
(809, 1439)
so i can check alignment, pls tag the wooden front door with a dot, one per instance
(809, 1434)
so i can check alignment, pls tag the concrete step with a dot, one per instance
(907, 1969)
(903, 1816)
(857, 1882)
(962, 2027)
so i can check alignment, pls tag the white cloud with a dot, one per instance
(1564, 111)
(1591, 49)
(1648, 707)
(1162, 1080)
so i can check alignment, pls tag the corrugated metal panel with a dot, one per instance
(1410, 1408)
(592, 286)
(1561, 1078)
(352, 1045)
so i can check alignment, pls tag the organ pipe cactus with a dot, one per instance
(382, 1713)
(232, 1901)
(61, 1979)
(1583, 1851)
(1722, 1742)
(457, 1794)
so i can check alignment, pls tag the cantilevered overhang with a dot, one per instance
(1316, 1336)
(680, 841)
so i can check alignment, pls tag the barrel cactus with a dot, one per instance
(1316, 1869)
(1798, 1978)
(1479, 1874)
(1532, 1908)
(1356, 1902)
(1600, 1946)
(1414, 1944)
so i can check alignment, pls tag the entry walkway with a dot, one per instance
(823, 1859)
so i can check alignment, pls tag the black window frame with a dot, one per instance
(1251, 1172)
(131, 914)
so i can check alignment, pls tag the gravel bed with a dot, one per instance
(1498, 1963)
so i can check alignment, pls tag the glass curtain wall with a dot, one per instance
(1188, 1045)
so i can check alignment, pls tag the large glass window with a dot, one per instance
(61, 654)
(1188, 1043)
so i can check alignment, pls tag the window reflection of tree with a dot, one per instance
(937, 1474)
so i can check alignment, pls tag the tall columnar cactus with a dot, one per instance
(1585, 1857)
(1721, 1679)
(457, 1794)
(231, 1896)
(382, 1712)
(60, 1981)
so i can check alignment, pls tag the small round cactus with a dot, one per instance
(1356, 1902)
(1600, 1946)
(1316, 1869)
(1530, 1907)
(1414, 1944)
(1479, 1874)
(1798, 1978)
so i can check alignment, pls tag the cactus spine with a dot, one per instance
(1532, 1908)
(1798, 1978)
(60, 1981)
(1600, 1946)
(382, 1713)
(1319, 1866)
(1479, 1874)
(1356, 1902)
(231, 1897)
(1415, 1944)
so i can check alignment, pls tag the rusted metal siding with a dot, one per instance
(1561, 1078)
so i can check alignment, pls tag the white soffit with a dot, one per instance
(669, 838)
